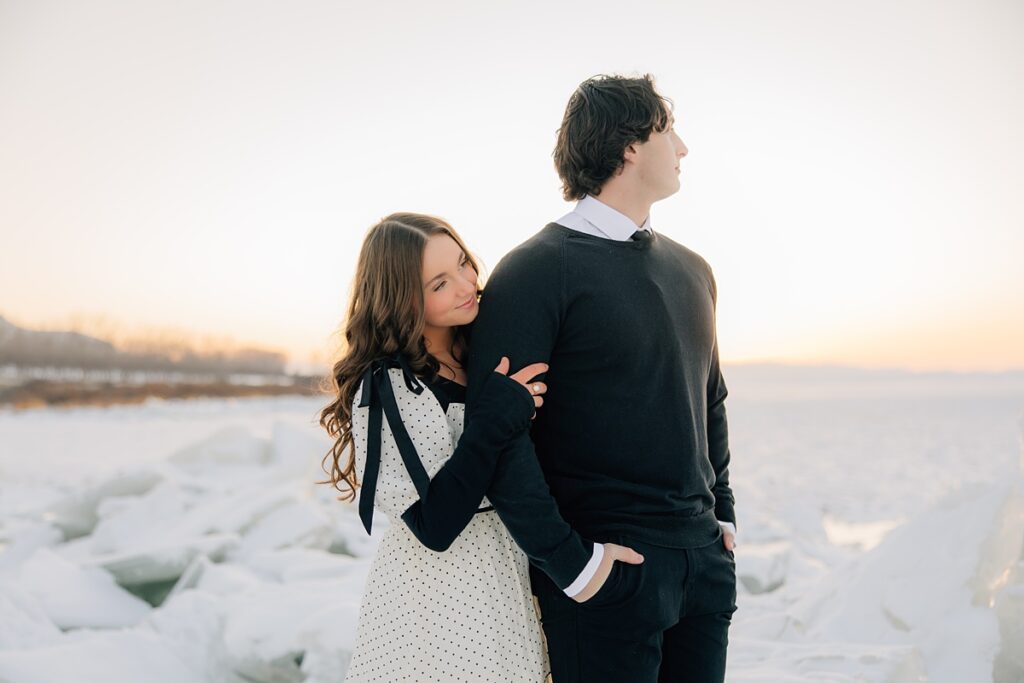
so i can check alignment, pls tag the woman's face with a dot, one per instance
(449, 284)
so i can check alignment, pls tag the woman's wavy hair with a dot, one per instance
(605, 115)
(385, 316)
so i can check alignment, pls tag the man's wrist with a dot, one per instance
(573, 589)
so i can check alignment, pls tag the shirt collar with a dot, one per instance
(612, 223)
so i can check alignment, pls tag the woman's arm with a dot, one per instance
(392, 421)
(500, 414)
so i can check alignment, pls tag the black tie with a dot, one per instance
(641, 236)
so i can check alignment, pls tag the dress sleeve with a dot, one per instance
(394, 490)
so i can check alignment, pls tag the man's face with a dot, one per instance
(657, 162)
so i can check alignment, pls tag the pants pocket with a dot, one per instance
(623, 583)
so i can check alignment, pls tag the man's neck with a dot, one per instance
(626, 201)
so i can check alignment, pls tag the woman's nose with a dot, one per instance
(466, 286)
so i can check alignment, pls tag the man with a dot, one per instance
(632, 437)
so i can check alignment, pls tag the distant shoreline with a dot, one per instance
(55, 394)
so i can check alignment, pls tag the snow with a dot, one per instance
(78, 597)
(881, 521)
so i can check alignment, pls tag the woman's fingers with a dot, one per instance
(524, 375)
(536, 388)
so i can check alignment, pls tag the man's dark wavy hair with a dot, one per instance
(604, 116)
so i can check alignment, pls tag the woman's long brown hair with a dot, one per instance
(385, 316)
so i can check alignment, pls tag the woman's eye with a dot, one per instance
(439, 286)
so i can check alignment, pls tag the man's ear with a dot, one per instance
(629, 154)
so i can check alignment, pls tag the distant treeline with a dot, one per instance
(43, 393)
(35, 348)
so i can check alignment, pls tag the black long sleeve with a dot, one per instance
(718, 429)
(500, 414)
(718, 444)
(522, 499)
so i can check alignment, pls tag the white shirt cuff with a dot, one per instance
(730, 526)
(588, 572)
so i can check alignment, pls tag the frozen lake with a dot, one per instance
(881, 520)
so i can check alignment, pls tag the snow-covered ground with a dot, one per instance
(881, 523)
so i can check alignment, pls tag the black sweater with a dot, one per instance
(632, 437)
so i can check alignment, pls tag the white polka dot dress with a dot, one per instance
(466, 614)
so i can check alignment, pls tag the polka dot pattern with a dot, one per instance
(466, 614)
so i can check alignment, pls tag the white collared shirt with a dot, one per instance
(594, 217)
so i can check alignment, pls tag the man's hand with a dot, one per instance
(612, 552)
(729, 539)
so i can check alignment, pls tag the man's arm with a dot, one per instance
(519, 317)
(718, 433)
(718, 445)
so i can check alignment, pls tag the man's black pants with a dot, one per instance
(663, 621)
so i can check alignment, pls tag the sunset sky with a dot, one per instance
(855, 171)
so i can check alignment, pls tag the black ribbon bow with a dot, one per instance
(379, 395)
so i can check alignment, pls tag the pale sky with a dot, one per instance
(854, 175)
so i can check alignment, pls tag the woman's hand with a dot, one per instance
(612, 553)
(524, 376)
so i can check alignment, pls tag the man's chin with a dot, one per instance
(670, 191)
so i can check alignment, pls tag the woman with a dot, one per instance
(466, 613)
